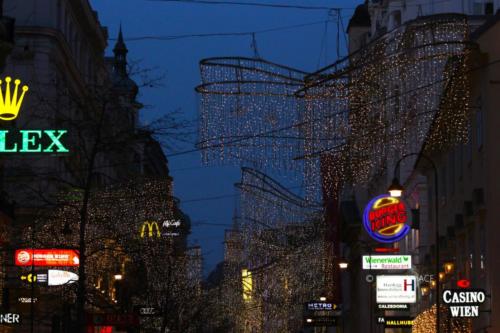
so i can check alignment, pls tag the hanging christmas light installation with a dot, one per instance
(283, 245)
(405, 90)
(425, 322)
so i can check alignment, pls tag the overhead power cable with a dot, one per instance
(220, 34)
(281, 6)
(253, 4)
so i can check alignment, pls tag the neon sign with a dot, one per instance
(25, 141)
(386, 219)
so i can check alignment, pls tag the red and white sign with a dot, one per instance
(46, 257)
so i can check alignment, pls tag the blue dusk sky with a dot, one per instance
(307, 48)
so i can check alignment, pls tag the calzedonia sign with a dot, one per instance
(464, 303)
(25, 140)
(387, 219)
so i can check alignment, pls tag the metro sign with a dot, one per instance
(46, 257)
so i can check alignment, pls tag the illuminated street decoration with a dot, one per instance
(46, 257)
(10, 105)
(25, 141)
(246, 279)
(463, 303)
(425, 322)
(386, 219)
(396, 289)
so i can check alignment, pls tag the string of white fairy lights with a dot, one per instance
(374, 104)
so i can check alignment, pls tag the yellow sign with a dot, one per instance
(151, 227)
(246, 277)
(29, 278)
(10, 104)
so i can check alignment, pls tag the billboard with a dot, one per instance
(46, 257)
(396, 289)
(387, 262)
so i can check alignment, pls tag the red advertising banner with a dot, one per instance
(46, 257)
(113, 319)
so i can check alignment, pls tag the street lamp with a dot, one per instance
(118, 277)
(396, 190)
(343, 264)
(449, 267)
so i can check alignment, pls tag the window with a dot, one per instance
(488, 8)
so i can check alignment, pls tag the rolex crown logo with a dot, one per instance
(10, 104)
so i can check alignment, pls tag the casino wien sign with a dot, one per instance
(464, 303)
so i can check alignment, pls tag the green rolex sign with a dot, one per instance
(29, 140)
(32, 141)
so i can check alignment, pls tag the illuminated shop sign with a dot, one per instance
(58, 277)
(463, 284)
(147, 311)
(396, 322)
(46, 257)
(148, 229)
(464, 303)
(393, 307)
(396, 289)
(387, 262)
(26, 300)
(9, 318)
(321, 321)
(32, 278)
(321, 306)
(112, 319)
(386, 219)
(25, 141)
(151, 229)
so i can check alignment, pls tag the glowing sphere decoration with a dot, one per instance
(387, 219)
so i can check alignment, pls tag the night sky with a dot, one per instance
(307, 48)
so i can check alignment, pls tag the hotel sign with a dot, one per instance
(387, 262)
(396, 289)
(387, 219)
